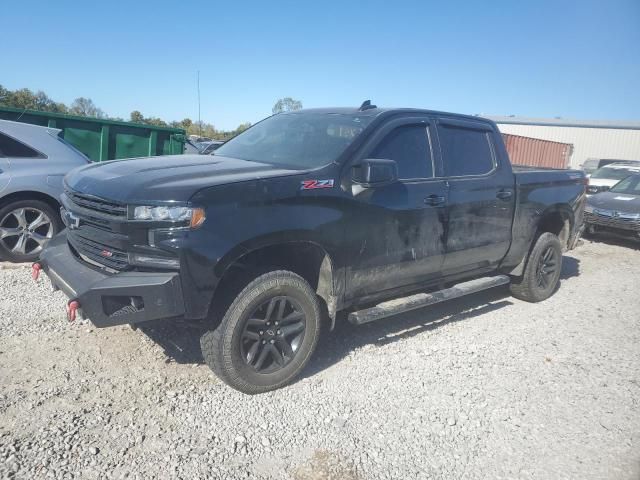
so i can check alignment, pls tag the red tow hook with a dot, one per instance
(72, 308)
(35, 271)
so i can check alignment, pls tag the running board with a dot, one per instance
(419, 300)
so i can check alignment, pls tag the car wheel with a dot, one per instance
(25, 228)
(267, 335)
(542, 271)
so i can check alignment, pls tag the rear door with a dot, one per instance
(481, 197)
(396, 232)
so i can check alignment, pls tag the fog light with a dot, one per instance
(148, 261)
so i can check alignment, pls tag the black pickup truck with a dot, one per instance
(365, 211)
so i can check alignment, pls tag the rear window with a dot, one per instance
(12, 148)
(465, 151)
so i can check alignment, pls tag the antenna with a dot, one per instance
(366, 105)
(199, 120)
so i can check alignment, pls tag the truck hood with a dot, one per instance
(619, 202)
(165, 178)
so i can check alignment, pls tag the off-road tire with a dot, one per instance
(527, 287)
(221, 346)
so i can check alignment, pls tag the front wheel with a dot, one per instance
(542, 271)
(267, 335)
(25, 228)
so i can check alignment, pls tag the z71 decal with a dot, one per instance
(313, 184)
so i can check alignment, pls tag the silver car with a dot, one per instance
(33, 162)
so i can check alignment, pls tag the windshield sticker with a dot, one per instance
(313, 184)
(624, 198)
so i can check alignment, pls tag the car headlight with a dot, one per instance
(588, 209)
(195, 216)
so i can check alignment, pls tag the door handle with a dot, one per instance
(434, 200)
(504, 194)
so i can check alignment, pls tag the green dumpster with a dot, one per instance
(101, 139)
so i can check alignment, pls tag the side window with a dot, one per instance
(465, 151)
(14, 149)
(408, 146)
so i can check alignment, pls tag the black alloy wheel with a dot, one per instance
(272, 334)
(541, 272)
(266, 335)
(547, 267)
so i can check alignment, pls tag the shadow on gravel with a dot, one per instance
(570, 267)
(346, 337)
(181, 342)
(613, 240)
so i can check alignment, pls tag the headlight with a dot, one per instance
(588, 209)
(195, 216)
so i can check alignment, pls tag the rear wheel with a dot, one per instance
(267, 335)
(542, 271)
(25, 228)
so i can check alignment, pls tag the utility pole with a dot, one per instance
(199, 120)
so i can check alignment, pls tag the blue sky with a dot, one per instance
(575, 59)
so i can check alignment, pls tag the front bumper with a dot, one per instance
(612, 220)
(112, 299)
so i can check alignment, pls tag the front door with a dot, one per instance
(396, 232)
(481, 197)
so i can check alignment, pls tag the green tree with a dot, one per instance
(59, 107)
(241, 128)
(286, 104)
(23, 98)
(85, 107)
(44, 104)
(136, 116)
(155, 121)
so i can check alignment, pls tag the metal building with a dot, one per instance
(590, 139)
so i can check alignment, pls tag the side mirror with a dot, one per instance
(374, 172)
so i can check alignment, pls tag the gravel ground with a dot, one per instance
(484, 387)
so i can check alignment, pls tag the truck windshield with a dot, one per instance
(297, 140)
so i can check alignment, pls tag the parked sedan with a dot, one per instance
(606, 177)
(616, 211)
(33, 161)
(209, 147)
(590, 165)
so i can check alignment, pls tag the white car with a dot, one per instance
(606, 177)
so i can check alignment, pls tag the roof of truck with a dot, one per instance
(375, 111)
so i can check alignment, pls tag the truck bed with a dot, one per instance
(540, 176)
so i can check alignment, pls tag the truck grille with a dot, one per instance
(612, 221)
(104, 255)
(96, 204)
